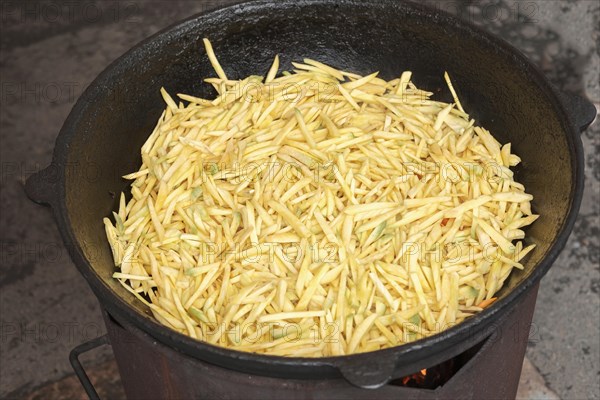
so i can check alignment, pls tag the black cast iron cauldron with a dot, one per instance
(497, 85)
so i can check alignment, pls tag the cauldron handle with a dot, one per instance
(581, 111)
(42, 187)
(368, 372)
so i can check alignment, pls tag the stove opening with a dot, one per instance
(438, 375)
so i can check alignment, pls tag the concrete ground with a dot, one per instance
(51, 50)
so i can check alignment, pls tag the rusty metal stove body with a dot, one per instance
(151, 370)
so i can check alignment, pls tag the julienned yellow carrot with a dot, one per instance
(318, 213)
(486, 303)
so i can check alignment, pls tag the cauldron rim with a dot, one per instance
(448, 341)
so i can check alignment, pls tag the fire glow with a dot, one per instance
(415, 380)
(429, 378)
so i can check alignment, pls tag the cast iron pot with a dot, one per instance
(497, 85)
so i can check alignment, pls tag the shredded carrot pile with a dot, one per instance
(318, 212)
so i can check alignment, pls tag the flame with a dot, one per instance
(416, 378)
(428, 378)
